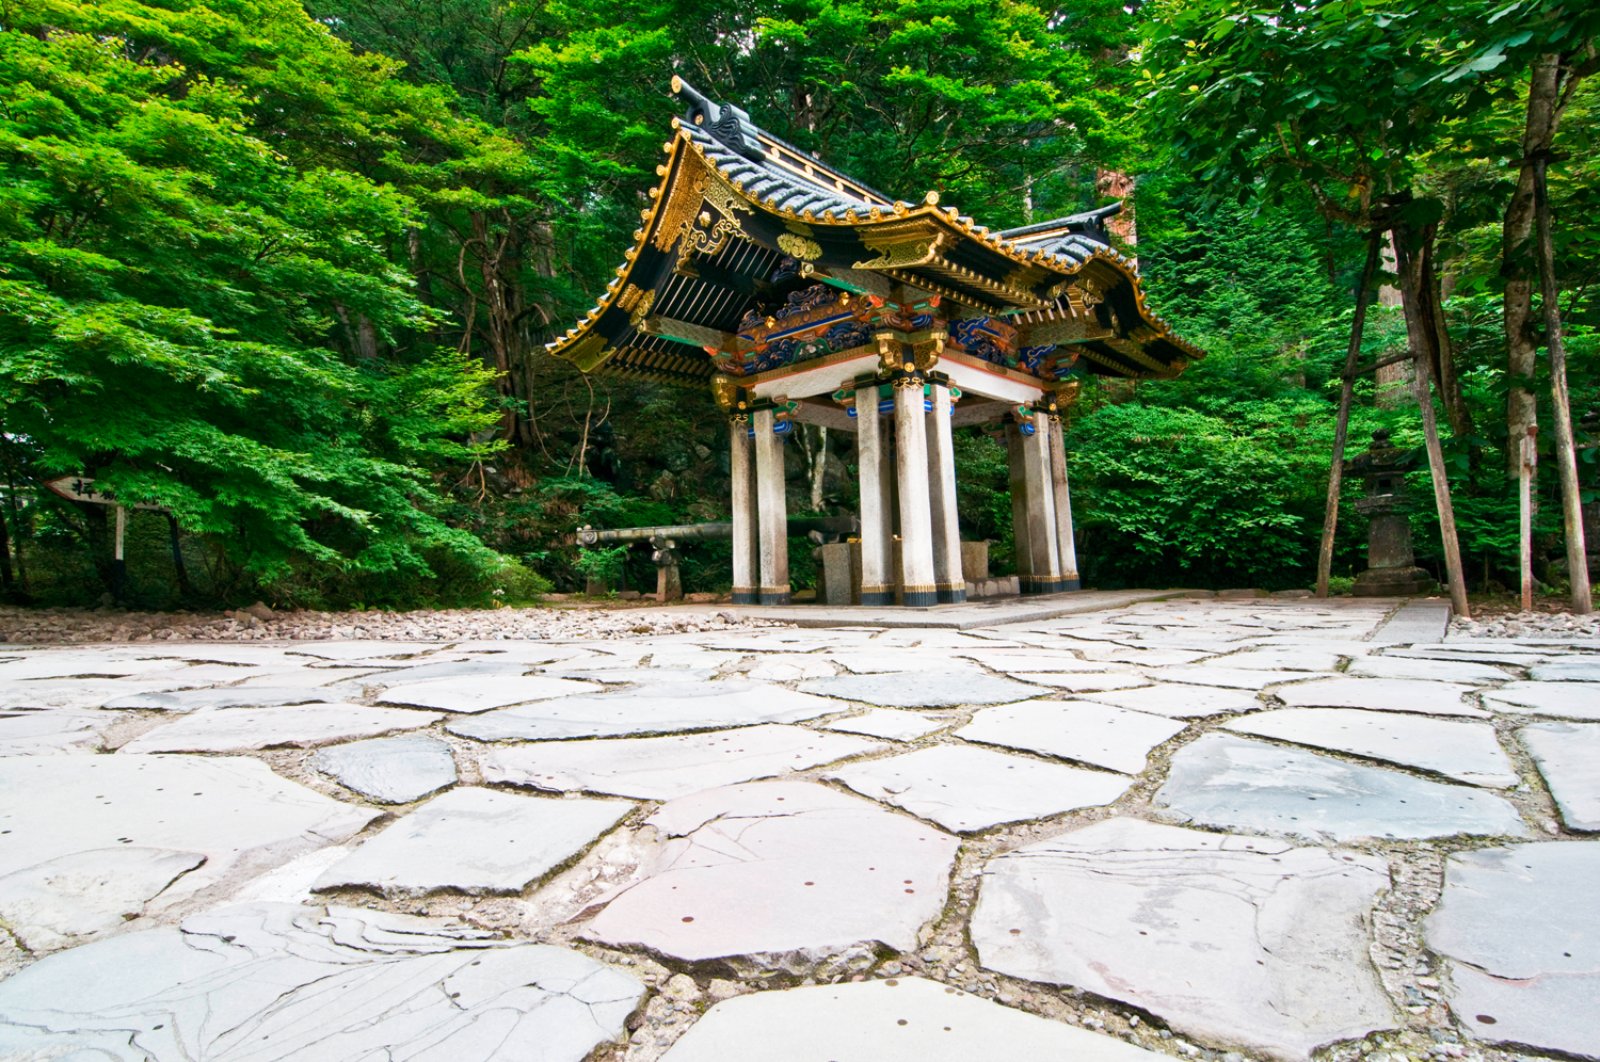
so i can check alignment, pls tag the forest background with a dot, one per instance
(287, 271)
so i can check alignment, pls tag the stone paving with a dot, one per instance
(1196, 828)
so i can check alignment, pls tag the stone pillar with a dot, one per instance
(746, 577)
(1043, 549)
(1063, 499)
(950, 585)
(1018, 484)
(877, 586)
(772, 512)
(911, 477)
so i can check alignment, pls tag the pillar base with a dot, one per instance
(745, 596)
(1072, 583)
(951, 595)
(776, 595)
(877, 597)
(1032, 584)
(919, 596)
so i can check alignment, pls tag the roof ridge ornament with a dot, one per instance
(729, 124)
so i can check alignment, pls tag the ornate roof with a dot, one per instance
(740, 220)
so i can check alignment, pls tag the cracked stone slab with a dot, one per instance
(1235, 783)
(927, 688)
(892, 723)
(1464, 750)
(1098, 734)
(1574, 700)
(277, 982)
(483, 693)
(1568, 758)
(476, 841)
(228, 697)
(82, 663)
(302, 726)
(1238, 678)
(661, 768)
(67, 900)
(778, 868)
(1519, 929)
(658, 709)
(786, 667)
(365, 649)
(59, 814)
(902, 1019)
(1181, 701)
(964, 789)
(1406, 667)
(390, 770)
(1240, 940)
(1429, 697)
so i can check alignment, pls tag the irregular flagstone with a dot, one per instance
(1583, 669)
(1459, 749)
(33, 731)
(638, 676)
(1568, 757)
(882, 660)
(79, 693)
(963, 788)
(921, 689)
(228, 810)
(392, 770)
(483, 693)
(312, 677)
(1015, 660)
(1097, 734)
(1519, 928)
(227, 697)
(661, 768)
(1086, 681)
(1244, 941)
(786, 667)
(475, 840)
(892, 723)
(1381, 695)
(66, 900)
(658, 709)
(81, 663)
(1180, 700)
(282, 982)
(238, 729)
(902, 1019)
(1404, 667)
(780, 867)
(365, 649)
(399, 673)
(1574, 700)
(1279, 658)
(1232, 782)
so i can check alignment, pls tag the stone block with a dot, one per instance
(975, 560)
(834, 574)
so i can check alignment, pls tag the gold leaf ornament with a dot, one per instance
(800, 247)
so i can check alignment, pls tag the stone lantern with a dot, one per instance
(1391, 564)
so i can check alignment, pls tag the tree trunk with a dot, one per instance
(1561, 403)
(179, 569)
(1425, 321)
(1393, 381)
(1421, 336)
(1516, 237)
(1330, 513)
(7, 580)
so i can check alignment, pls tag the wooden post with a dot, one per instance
(918, 588)
(1042, 528)
(947, 576)
(746, 577)
(1561, 402)
(1530, 457)
(1063, 500)
(772, 511)
(876, 586)
(1330, 511)
(119, 560)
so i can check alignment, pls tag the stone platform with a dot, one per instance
(1098, 827)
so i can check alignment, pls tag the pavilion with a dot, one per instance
(798, 294)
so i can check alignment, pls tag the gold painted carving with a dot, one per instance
(908, 243)
(630, 296)
(677, 213)
(800, 247)
(642, 310)
(724, 391)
